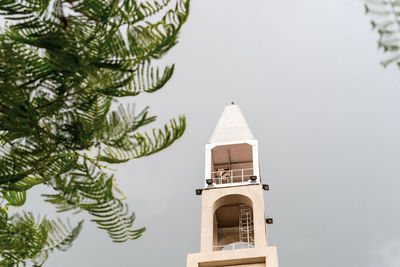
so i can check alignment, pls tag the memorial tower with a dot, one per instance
(233, 222)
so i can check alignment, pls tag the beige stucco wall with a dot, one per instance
(260, 256)
(212, 199)
(253, 257)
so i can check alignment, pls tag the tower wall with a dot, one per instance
(212, 199)
(253, 257)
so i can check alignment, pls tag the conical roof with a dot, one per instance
(231, 126)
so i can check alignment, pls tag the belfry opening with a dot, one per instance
(233, 223)
(231, 163)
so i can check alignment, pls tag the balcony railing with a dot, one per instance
(234, 246)
(231, 176)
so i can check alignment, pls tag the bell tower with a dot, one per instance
(233, 222)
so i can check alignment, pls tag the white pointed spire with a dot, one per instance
(231, 126)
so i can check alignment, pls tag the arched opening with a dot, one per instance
(233, 223)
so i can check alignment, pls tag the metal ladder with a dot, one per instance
(246, 226)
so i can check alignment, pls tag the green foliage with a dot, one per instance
(24, 239)
(89, 189)
(64, 65)
(385, 15)
(15, 198)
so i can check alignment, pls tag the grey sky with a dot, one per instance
(306, 75)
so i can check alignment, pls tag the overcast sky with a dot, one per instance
(307, 77)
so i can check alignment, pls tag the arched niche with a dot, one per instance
(233, 226)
